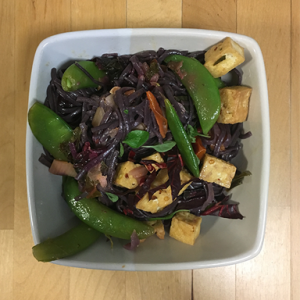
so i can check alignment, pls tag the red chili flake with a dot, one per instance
(131, 156)
(161, 165)
(127, 211)
(126, 175)
(181, 161)
(149, 167)
(142, 181)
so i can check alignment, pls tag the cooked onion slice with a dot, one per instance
(95, 175)
(134, 242)
(98, 116)
(138, 173)
(59, 167)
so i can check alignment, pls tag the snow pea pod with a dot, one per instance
(102, 218)
(200, 85)
(49, 129)
(71, 242)
(220, 84)
(74, 78)
(184, 145)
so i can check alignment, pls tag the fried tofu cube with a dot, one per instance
(217, 170)
(156, 157)
(158, 201)
(234, 104)
(223, 57)
(158, 228)
(123, 178)
(162, 198)
(185, 176)
(185, 227)
(163, 177)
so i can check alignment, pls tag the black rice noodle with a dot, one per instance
(129, 110)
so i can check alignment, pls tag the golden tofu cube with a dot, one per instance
(162, 198)
(158, 228)
(185, 176)
(156, 157)
(217, 170)
(234, 104)
(123, 178)
(159, 200)
(185, 227)
(223, 57)
(163, 177)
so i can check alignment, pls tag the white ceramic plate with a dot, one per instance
(222, 241)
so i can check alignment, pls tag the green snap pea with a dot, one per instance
(71, 242)
(180, 136)
(201, 86)
(74, 78)
(220, 84)
(102, 218)
(49, 129)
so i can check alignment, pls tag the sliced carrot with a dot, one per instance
(160, 119)
(198, 148)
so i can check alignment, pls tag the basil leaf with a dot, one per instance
(136, 138)
(121, 150)
(170, 216)
(192, 132)
(166, 146)
(238, 179)
(112, 197)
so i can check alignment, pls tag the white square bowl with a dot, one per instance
(222, 241)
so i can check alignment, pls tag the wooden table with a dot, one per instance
(275, 272)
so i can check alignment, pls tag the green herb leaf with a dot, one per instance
(170, 216)
(126, 111)
(136, 138)
(121, 150)
(112, 197)
(238, 179)
(192, 133)
(166, 146)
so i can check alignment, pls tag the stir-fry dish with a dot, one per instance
(144, 143)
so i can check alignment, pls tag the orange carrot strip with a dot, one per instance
(198, 148)
(160, 119)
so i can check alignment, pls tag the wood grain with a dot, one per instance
(275, 272)
(7, 86)
(158, 285)
(268, 275)
(6, 264)
(272, 266)
(90, 14)
(214, 283)
(91, 284)
(160, 13)
(213, 15)
(276, 25)
(295, 151)
(29, 276)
